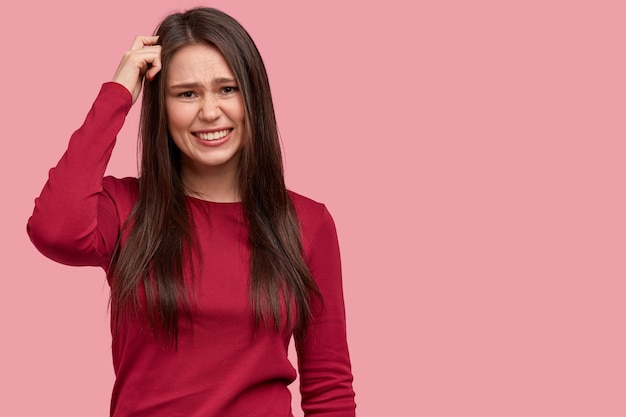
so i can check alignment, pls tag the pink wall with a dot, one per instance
(470, 152)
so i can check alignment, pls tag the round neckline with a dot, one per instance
(214, 203)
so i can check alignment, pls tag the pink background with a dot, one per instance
(470, 152)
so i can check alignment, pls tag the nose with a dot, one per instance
(210, 109)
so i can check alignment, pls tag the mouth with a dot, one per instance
(215, 135)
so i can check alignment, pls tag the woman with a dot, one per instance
(213, 264)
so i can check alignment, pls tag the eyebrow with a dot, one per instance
(192, 85)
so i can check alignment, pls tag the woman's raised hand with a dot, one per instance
(142, 59)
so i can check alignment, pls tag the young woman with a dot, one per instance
(213, 264)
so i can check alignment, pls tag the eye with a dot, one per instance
(187, 94)
(229, 90)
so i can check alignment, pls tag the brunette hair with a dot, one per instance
(159, 231)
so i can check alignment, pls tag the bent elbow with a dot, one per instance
(54, 242)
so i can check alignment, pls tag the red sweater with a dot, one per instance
(222, 366)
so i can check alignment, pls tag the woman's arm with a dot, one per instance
(75, 220)
(323, 359)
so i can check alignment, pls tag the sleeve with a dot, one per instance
(323, 358)
(75, 221)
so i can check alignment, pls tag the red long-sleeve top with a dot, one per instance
(223, 365)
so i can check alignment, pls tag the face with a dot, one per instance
(205, 112)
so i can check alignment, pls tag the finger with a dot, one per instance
(150, 56)
(141, 41)
(154, 68)
(135, 64)
(142, 58)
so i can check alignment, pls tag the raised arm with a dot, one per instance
(76, 219)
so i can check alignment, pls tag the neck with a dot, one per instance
(219, 187)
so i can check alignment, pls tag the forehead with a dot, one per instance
(198, 62)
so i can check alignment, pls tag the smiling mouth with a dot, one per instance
(208, 136)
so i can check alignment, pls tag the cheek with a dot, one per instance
(234, 110)
(178, 117)
(241, 113)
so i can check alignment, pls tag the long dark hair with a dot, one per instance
(159, 231)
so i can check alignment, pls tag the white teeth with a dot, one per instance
(213, 135)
